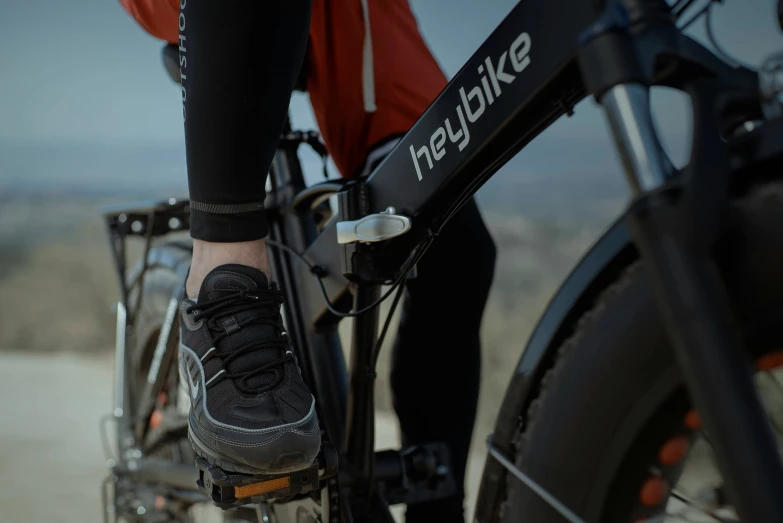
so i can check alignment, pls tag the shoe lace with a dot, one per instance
(266, 304)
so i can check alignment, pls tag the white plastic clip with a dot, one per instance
(373, 228)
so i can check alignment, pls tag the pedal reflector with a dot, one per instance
(262, 488)
(229, 489)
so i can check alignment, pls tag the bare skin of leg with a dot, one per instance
(208, 255)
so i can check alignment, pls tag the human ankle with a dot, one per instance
(209, 255)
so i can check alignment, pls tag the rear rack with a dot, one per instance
(152, 219)
(134, 219)
(147, 220)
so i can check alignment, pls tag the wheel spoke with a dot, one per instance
(713, 459)
(695, 506)
(551, 500)
(707, 503)
(697, 494)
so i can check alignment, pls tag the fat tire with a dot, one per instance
(614, 386)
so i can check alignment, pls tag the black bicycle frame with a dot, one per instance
(521, 80)
(524, 77)
(540, 61)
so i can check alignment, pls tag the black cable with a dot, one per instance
(707, 9)
(403, 274)
(379, 341)
(319, 271)
(289, 250)
(341, 314)
(698, 15)
(680, 6)
(711, 36)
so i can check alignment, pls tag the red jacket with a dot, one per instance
(369, 72)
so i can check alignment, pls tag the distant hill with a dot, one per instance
(564, 191)
(91, 169)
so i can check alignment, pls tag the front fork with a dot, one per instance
(674, 224)
(707, 343)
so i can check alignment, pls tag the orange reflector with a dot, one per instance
(674, 451)
(156, 419)
(770, 361)
(654, 492)
(262, 488)
(693, 420)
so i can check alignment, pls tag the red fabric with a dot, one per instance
(407, 78)
(157, 17)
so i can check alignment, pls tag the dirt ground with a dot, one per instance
(50, 449)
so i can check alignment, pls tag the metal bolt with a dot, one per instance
(172, 201)
(174, 223)
(122, 218)
(141, 511)
(118, 412)
(137, 226)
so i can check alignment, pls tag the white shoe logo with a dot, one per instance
(193, 383)
(194, 392)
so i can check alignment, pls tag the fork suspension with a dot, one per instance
(675, 223)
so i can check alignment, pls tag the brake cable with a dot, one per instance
(319, 272)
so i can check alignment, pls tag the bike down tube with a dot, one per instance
(675, 227)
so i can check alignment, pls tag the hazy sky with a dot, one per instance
(83, 71)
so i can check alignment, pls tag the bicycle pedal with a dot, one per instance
(232, 489)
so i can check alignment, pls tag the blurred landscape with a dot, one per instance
(88, 118)
(109, 130)
(55, 262)
(58, 288)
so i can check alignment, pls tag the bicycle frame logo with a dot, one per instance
(518, 53)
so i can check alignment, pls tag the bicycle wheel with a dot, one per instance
(612, 433)
(163, 278)
(167, 265)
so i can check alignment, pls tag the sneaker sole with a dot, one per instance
(295, 461)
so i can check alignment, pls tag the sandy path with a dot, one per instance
(51, 462)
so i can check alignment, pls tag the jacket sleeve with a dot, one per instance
(157, 17)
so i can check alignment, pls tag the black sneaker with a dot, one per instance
(251, 412)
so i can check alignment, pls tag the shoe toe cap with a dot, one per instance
(281, 448)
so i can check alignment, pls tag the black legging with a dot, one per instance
(239, 60)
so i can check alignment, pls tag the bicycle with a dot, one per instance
(644, 351)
